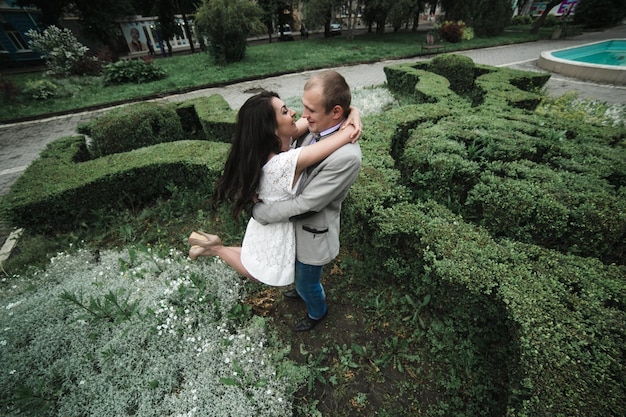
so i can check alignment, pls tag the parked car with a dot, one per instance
(335, 29)
(286, 35)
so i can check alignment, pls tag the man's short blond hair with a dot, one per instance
(335, 90)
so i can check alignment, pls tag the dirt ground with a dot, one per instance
(346, 348)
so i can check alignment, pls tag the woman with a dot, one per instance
(261, 161)
(135, 43)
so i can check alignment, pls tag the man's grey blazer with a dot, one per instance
(316, 209)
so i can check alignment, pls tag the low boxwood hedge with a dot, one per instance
(512, 328)
(132, 127)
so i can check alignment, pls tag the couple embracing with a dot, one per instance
(295, 175)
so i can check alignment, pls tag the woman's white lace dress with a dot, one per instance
(269, 252)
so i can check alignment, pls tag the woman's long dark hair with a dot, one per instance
(254, 140)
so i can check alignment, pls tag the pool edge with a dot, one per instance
(585, 71)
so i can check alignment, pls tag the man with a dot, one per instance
(316, 210)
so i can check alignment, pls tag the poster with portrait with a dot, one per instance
(136, 39)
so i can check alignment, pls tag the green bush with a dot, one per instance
(133, 127)
(451, 31)
(551, 21)
(599, 13)
(521, 20)
(63, 189)
(227, 24)
(131, 71)
(511, 328)
(40, 89)
(508, 89)
(64, 54)
(458, 69)
(211, 114)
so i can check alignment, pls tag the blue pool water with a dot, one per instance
(611, 52)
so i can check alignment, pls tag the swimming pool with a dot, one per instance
(599, 61)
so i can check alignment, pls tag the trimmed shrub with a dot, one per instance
(214, 116)
(420, 85)
(61, 190)
(133, 127)
(135, 71)
(458, 69)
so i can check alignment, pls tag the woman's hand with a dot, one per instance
(354, 119)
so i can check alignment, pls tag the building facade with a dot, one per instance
(15, 21)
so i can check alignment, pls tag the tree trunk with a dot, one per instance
(188, 33)
(539, 23)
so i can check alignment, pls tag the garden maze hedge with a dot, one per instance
(512, 222)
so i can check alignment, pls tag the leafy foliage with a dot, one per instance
(64, 54)
(458, 69)
(40, 89)
(133, 127)
(452, 31)
(132, 71)
(228, 24)
(488, 18)
(600, 13)
(135, 333)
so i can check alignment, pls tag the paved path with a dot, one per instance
(21, 143)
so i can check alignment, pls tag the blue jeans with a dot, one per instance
(309, 286)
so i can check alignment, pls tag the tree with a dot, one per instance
(51, 10)
(184, 7)
(97, 19)
(405, 12)
(376, 12)
(320, 13)
(486, 17)
(539, 22)
(227, 24)
(352, 8)
(167, 25)
(600, 13)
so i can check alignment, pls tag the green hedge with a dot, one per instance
(504, 89)
(215, 116)
(513, 329)
(569, 212)
(59, 192)
(132, 127)
(66, 185)
(541, 329)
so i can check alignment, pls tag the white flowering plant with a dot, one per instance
(64, 54)
(123, 333)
